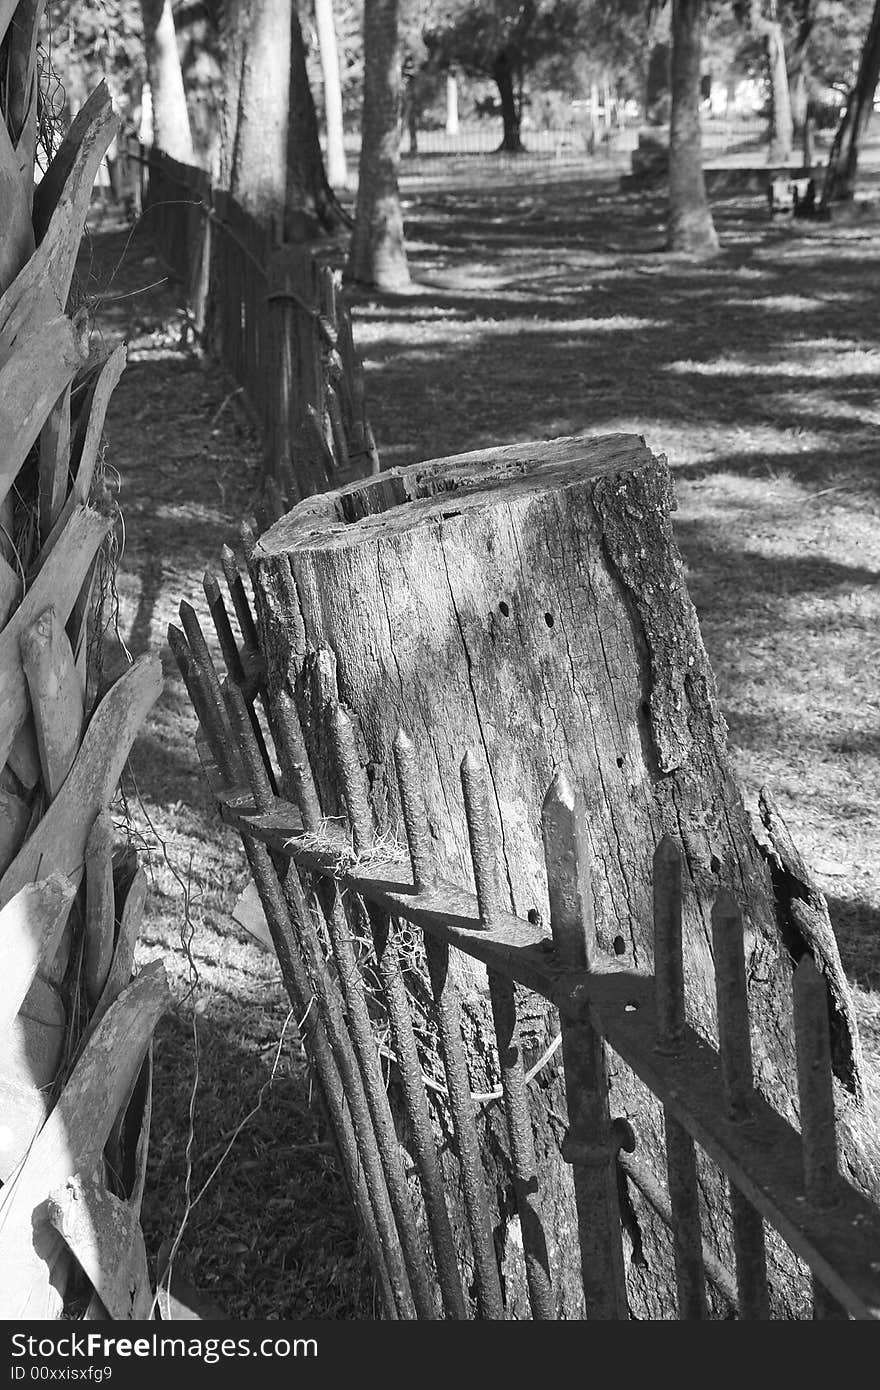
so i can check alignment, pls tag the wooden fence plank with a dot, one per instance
(71, 1142)
(56, 696)
(55, 586)
(60, 837)
(31, 924)
(100, 908)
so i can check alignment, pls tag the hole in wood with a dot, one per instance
(620, 762)
(503, 609)
(549, 619)
(533, 916)
(624, 1134)
(715, 864)
(619, 945)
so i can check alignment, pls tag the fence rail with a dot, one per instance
(277, 320)
(574, 139)
(788, 1179)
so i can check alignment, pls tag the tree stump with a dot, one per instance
(529, 603)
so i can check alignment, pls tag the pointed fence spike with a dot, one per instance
(352, 780)
(252, 757)
(568, 875)
(415, 819)
(223, 627)
(295, 765)
(247, 531)
(481, 833)
(208, 704)
(240, 601)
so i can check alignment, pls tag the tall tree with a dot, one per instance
(312, 208)
(255, 118)
(691, 229)
(764, 21)
(270, 152)
(337, 169)
(171, 129)
(503, 40)
(840, 175)
(378, 252)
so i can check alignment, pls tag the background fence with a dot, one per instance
(277, 320)
(575, 140)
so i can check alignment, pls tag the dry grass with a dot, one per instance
(543, 308)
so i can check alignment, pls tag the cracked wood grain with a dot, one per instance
(529, 602)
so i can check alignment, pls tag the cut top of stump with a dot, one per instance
(401, 499)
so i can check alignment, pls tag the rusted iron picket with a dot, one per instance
(484, 857)
(351, 776)
(589, 1145)
(447, 1009)
(321, 984)
(708, 1095)
(295, 977)
(816, 1096)
(735, 1049)
(416, 1105)
(681, 1158)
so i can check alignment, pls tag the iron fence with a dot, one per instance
(277, 320)
(317, 877)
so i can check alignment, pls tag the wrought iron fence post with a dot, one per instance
(591, 1145)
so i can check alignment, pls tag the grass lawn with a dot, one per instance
(543, 306)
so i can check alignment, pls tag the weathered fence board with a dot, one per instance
(60, 760)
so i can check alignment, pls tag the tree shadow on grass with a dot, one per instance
(857, 928)
(578, 323)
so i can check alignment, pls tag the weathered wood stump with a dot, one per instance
(529, 603)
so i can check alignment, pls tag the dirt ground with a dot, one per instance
(544, 305)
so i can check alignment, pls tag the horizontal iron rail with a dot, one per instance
(759, 1150)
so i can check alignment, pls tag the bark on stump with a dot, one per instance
(529, 602)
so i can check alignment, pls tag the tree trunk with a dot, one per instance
(412, 123)
(337, 169)
(798, 63)
(691, 229)
(799, 90)
(171, 129)
(270, 152)
(312, 208)
(529, 603)
(781, 120)
(254, 134)
(452, 124)
(511, 112)
(840, 175)
(378, 253)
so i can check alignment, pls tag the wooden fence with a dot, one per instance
(377, 890)
(277, 320)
